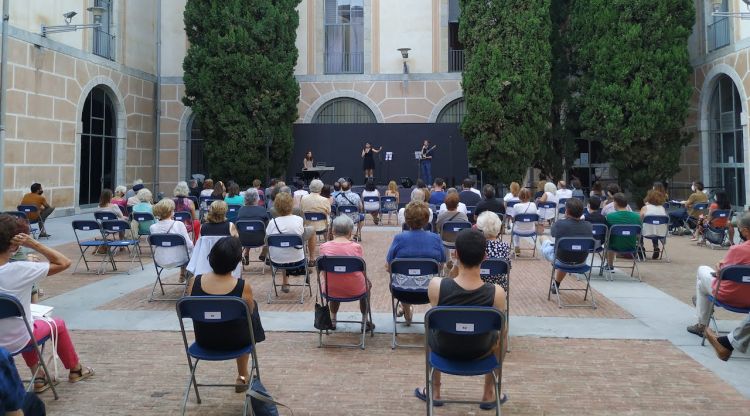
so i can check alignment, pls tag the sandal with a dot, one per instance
(399, 311)
(369, 327)
(41, 384)
(421, 395)
(80, 374)
(491, 405)
(285, 288)
(241, 384)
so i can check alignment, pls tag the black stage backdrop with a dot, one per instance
(340, 145)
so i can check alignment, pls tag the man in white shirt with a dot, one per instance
(562, 191)
(461, 205)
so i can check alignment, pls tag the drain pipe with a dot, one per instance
(157, 101)
(3, 94)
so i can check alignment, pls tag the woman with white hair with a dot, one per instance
(119, 198)
(182, 203)
(549, 196)
(418, 196)
(170, 257)
(251, 211)
(490, 225)
(143, 206)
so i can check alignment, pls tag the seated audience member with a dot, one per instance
(550, 195)
(143, 206)
(654, 205)
(233, 196)
(461, 205)
(315, 202)
(258, 185)
(539, 189)
(327, 192)
(490, 225)
(224, 257)
(621, 215)
(193, 189)
(219, 192)
(562, 191)
(14, 400)
(609, 205)
(299, 192)
(119, 198)
(689, 212)
(268, 192)
(217, 223)
(182, 203)
(594, 214)
(451, 213)
(658, 186)
(137, 186)
(576, 190)
(336, 189)
(467, 289)
(490, 202)
(348, 285)
(208, 188)
(437, 196)
(523, 207)
(285, 222)
(414, 243)
(417, 195)
(347, 197)
(512, 194)
(44, 209)
(170, 257)
(17, 279)
(596, 190)
(373, 208)
(570, 226)
(738, 339)
(392, 206)
(106, 205)
(731, 293)
(467, 196)
(252, 211)
(720, 202)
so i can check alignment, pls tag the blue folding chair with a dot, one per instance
(656, 228)
(470, 214)
(168, 242)
(207, 311)
(315, 217)
(371, 200)
(561, 208)
(146, 217)
(599, 231)
(252, 236)
(287, 242)
(332, 267)
(740, 275)
(92, 231)
(470, 322)
(132, 243)
(573, 246)
(427, 227)
(524, 219)
(625, 231)
(11, 308)
(544, 207)
(27, 210)
(356, 216)
(408, 284)
(232, 212)
(714, 236)
(205, 202)
(497, 267)
(388, 205)
(450, 231)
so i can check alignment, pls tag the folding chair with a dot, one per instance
(140, 217)
(625, 231)
(561, 208)
(30, 209)
(356, 216)
(507, 217)
(92, 229)
(184, 217)
(287, 242)
(716, 236)
(470, 214)
(11, 308)
(545, 207)
(314, 217)
(388, 206)
(252, 235)
(232, 211)
(469, 322)
(599, 231)
(206, 311)
(740, 275)
(496, 267)
(161, 243)
(205, 202)
(403, 271)
(371, 200)
(450, 231)
(121, 226)
(106, 216)
(573, 245)
(656, 228)
(524, 219)
(427, 227)
(333, 267)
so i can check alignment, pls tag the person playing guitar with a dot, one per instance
(426, 162)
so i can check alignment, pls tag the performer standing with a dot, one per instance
(307, 162)
(426, 162)
(368, 161)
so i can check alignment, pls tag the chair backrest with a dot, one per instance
(315, 216)
(526, 218)
(655, 226)
(371, 199)
(599, 231)
(464, 320)
(105, 216)
(511, 203)
(115, 226)
(27, 209)
(415, 267)
(17, 214)
(700, 206)
(625, 231)
(574, 247)
(335, 266)
(737, 274)
(547, 205)
(183, 216)
(561, 205)
(427, 227)
(10, 307)
(168, 241)
(252, 233)
(87, 225)
(214, 309)
(286, 242)
(470, 210)
(348, 209)
(387, 200)
(721, 214)
(450, 230)
(494, 267)
(232, 211)
(143, 216)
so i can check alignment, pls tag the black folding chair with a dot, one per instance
(252, 236)
(409, 280)
(573, 246)
(288, 242)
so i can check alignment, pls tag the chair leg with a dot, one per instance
(191, 382)
(394, 305)
(43, 365)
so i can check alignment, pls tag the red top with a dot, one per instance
(718, 222)
(343, 285)
(733, 293)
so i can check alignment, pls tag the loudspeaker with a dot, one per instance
(406, 182)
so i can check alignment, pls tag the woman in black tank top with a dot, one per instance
(216, 221)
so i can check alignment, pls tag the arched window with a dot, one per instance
(726, 141)
(344, 111)
(453, 113)
(98, 146)
(195, 157)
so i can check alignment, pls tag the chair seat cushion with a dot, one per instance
(728, 307)
(122, 243)
(199, 352)
(30, 346)
(464, 368)
(92, 243)
(571, 268)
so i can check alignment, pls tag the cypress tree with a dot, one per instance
(239, 82)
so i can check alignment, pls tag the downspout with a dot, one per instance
(157, 101)
(3, 94)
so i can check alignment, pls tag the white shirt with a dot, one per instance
(508, 198)
(402, 219)
(563, 193)
(207, 192)
(298, 194)
(371, 206)
(289, 224)
(169, 257)
(548, 213)
(476, 191)
(461, 208)
(524, 208)
(17, 279)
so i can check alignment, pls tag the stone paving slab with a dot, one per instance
(145, 373)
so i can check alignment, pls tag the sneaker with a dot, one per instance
(697, 329)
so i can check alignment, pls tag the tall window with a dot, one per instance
(98, 144)
(454, 112)
(455, 48)
(344, 111)
(718, 31)
(104, 40)
(344, 37)
(195, 157)
(727, 150)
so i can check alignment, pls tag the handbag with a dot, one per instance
(259, 334)
(261, 403)
(322, 316)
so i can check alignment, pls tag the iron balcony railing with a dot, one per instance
(455, 60)
(344, 62)
(718, 34)
(104, 44)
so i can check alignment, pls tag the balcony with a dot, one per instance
(344, 62)
(104, 44)
(718, 34)
(455, 60)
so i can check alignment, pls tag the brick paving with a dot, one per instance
(145, 373)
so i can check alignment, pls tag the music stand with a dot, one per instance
(418, 158)
(388, 159)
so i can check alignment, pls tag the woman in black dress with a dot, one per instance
(368, 162)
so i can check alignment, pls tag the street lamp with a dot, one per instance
(405, 57)
(717, 6)
(96, 11)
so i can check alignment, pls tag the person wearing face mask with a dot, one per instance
(44, 209)
(678, 216)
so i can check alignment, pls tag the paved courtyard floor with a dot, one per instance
(630, 356)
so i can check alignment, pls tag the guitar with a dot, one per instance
(426, 153)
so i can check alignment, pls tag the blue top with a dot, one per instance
(437, 197)
(416, 244)
(12, 392)
(234, 200)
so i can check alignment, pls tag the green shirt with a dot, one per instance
(622, 243)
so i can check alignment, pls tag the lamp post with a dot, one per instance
(405, 57)
(96, 11)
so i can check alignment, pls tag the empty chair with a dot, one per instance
(88, 234)
(129, 242)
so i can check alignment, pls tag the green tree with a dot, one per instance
(634, 89)
(239, 82)
(506, 83)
